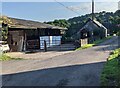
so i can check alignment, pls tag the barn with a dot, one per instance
(91, 31)
(25, 35)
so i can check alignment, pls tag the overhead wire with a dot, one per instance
(67, 7)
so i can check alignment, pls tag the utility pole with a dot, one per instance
(119, 5)
(92, 9)
(92, 19)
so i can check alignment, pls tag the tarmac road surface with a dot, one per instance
(79, 68)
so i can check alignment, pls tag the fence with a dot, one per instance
(56, 46)
(49, 45)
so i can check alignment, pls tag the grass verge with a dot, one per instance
(4, 57)
(111, 71)
(94, 43)
(85, 46)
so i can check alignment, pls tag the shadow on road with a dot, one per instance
(105, 48)
(108, 45)
(75, 75)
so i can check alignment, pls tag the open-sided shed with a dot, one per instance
(30, 35)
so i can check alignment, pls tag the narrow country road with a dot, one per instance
(79, 68)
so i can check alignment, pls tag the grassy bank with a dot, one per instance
(4, 57)
(111, 72)
(94, 43)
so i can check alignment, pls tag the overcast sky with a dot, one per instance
(47, 11)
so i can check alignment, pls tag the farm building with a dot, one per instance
(24, 35)
(91, 31)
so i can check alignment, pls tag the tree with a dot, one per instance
(108, 19)
(4, 21)
(62, 23)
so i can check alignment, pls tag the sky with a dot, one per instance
(49, 11)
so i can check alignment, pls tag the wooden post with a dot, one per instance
(24, 46)
(45, 46)
(92, 9)
(24, 49)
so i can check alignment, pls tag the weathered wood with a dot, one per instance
(24, 41)
(45, 46)
(15, 40)
(84, 41)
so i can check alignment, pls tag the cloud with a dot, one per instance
(85, 7)
(82, 8)
(106, 6)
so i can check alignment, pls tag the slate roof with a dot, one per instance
(96, 23)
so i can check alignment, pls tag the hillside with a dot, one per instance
(108, 19)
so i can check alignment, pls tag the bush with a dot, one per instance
(4, 57)
(118, 33)
(111, 72)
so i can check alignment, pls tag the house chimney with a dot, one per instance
(92, 9)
